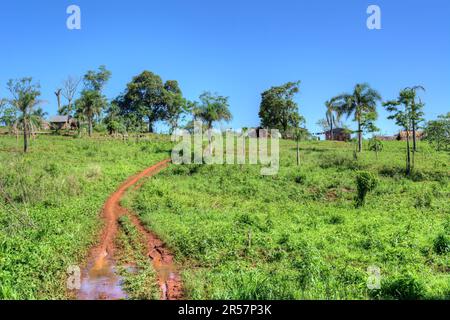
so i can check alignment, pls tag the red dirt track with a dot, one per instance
(99, 280)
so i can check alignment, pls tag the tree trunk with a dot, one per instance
(58, 97)
(359, 136)
(408, 154)
(150, 126)
(69, 107)
(414, 136)
(331, 131)
(90, 126)
(298, 151)
(25, 136)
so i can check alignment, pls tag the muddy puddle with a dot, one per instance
(101, 282)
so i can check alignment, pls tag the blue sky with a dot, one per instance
(237, 48)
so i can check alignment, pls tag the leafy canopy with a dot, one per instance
(278, 110)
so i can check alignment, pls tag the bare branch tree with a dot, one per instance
(58, 97)
(70, 89)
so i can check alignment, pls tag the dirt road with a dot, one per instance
(99, 279)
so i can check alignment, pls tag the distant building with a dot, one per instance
(62, 123)
(386, 138)
(403, 134)
(339, 134)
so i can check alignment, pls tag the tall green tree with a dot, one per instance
(416, 113)
(176, 105)
(90, 104)
(145, 98)
(212, 108)
(96, 80)
(278, 110)
(437, 132)
(25, 96)
(114, 120)
(8, 116)
(332, 115)
(401, 112)
(362, 104)
(92, 101)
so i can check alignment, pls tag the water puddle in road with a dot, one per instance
(101, 282)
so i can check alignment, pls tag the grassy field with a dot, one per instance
(299, 235)
(50, 200)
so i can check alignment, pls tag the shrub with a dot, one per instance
(100, 128)
(300, 179)
(52, 169)
(365, 183)
(339, 161)
(336, 219)
(405, 287)
(375, 145)
(424, 200)
(93, 172)
(442, 244)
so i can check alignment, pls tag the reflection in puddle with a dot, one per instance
(101, 282)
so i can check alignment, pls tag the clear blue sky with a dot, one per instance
(237, 48)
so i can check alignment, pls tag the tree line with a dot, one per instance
(147, 99)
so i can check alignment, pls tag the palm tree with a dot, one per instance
(213, 108)
(332, 114)
(25, 98)
(362, 104)
(31, 123)
(90, 104)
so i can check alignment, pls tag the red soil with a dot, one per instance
(99, 280)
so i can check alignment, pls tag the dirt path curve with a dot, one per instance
(99, 280)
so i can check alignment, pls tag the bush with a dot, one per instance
(52, 169)
(339, 161)
(442, 244)
(424, 200)
(365, 183)
(300, 179)
(375, 145)
(406, 287)
(100, 128)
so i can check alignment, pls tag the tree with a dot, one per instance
(8, 114)
(34, 122)
(437, 132)
(278, 110)
(90, 104)
(402, 113)
(58, 98)
(416, 113)
(212, 108)
(332, 115)
(70, 87)
(25, 96)
(362, 104)
(114, 120)
(176, 105)
(8, 117)
(147, 97)
(92, 101)
(96, 80)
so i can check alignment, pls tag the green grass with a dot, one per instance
(300, 235)
(139, 277)
(50, 200)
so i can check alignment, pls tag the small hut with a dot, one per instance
(403, 134)
(62, 123)
(339, 134)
